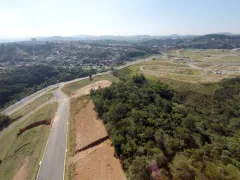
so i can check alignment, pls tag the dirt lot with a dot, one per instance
(21, 173)
(97, 161)
(86, 90)
(88, 127)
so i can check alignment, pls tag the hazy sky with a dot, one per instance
(24, 18)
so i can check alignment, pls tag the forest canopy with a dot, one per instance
(148, 121)
(16, 84)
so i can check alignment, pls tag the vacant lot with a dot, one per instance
(163, 63)
(21, 154)
(166, 69)
(189, 65)
(70, 88)
(94, 162)
(208, 55)
(86, 90)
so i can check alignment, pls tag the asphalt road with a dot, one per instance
(53, 162)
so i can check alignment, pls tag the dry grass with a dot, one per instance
(31, 106)
(14, 149)
(70, 88)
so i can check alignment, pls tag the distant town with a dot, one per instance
(71, 54)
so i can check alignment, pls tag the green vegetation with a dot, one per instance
(163, 63)
(4, 121)
(190, 134)
(69, 88)
(31, 106)
(210, 41)
(207, 55)
(203, 65)
(16, 84)
(15, 149)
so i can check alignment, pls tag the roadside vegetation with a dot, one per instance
(189, 134)
(4, 121)
(25, 151)
(18, 83)
(31, 106)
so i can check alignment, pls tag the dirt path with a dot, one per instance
(21, 174)
(97, 161)
(86, 90)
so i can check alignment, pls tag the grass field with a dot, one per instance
(69, 88)
(210, 65)
(177, 82)
(209, 55)
(31, 106)
(163, 63)
(203, 65)
(14, 150)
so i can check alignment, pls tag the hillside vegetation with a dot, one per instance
(210, 41)
(188, 134)
(17, 83)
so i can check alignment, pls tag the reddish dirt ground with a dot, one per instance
(21, 174)
(97, 162)
(86, 90)
(88, 127)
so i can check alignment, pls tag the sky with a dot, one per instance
(30, 18)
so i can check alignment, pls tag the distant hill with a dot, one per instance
(215, 41)
(90, 37)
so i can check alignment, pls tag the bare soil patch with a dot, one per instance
(21, 174)
(86, 90)
(97, 161)
(88, 127)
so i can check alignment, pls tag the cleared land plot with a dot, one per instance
(209, 55)
(166, 69)
(203, 65)
(163, 63)
(21, 155)
(211, 65)
(70, 88)
(96, 85)
(31, 106)
(98, 161)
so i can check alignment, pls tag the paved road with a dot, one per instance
(13, 125)
(13, 108)
(53, 162)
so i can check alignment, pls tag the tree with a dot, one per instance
(139, 169)
(4, 121)
(139, 79)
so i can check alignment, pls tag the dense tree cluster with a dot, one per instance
(4, 121)
(21, 81)
(189, 135)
